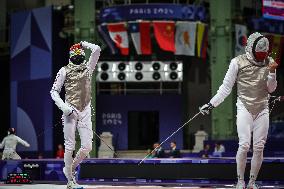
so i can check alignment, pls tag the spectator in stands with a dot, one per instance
(205, 152)
(40, 156)
(174, 152)
(159, 152)
(219, 149)
(60, 152)
(152, 155)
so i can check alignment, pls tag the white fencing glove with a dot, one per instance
(91, 46)
(205, 109)
(67, 110)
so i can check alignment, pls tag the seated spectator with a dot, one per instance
(152, 155)
(60, 152)
(219, 149)
(40, 156)
(205, 152)
(159, 152)
(174, 153)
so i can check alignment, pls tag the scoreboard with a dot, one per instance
(18, 178)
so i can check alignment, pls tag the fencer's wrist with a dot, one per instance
(71, 113)
(90, 46)
(272, 75)
(84, 44)
(67, 110)
(210, 106)
(272, 71)
(272, 67)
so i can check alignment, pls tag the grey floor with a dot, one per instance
(49, 186)
(53, 186)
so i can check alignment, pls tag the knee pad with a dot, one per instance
(244, 147)
(86, 149)
(66, 151)
(69, 146)
(87, 146)
(259, 146)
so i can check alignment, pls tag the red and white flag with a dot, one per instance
(241, 39)
(165, 34)
(140, 34)
(118, 33)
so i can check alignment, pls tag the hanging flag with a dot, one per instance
(185, 38)
(118, 34)
(275, 46)
(104, 34)
(140, 34)
(165, 34)
(241, 39)
(202, 40)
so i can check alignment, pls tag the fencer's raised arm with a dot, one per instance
(21, 141)
(55, 90)
(271, 78)
(228, 83)
(96, 50)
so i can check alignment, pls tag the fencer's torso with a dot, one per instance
(78, 85)
(252, 85)
(10, 142)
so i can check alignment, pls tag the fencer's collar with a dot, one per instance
(75, 67)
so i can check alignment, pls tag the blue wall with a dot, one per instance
(117, 108)
(31, 77)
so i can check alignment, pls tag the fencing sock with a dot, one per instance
(68, 159)
(81, 154)
(241, 160)
(256, 162)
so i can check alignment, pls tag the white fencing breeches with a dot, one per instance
(248, 126)
(7, 155)
(83, 123)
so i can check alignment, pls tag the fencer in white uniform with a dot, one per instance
(9, 144)
(255, 75)
(77, 80)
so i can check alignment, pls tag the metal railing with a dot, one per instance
(139, 88)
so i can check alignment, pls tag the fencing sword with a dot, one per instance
(170, 136)
(100, 138)
(276, 99)
(116, 155)
(80, 120)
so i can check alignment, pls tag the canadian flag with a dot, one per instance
(165, 34)
(102, 29)
(118, 33)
